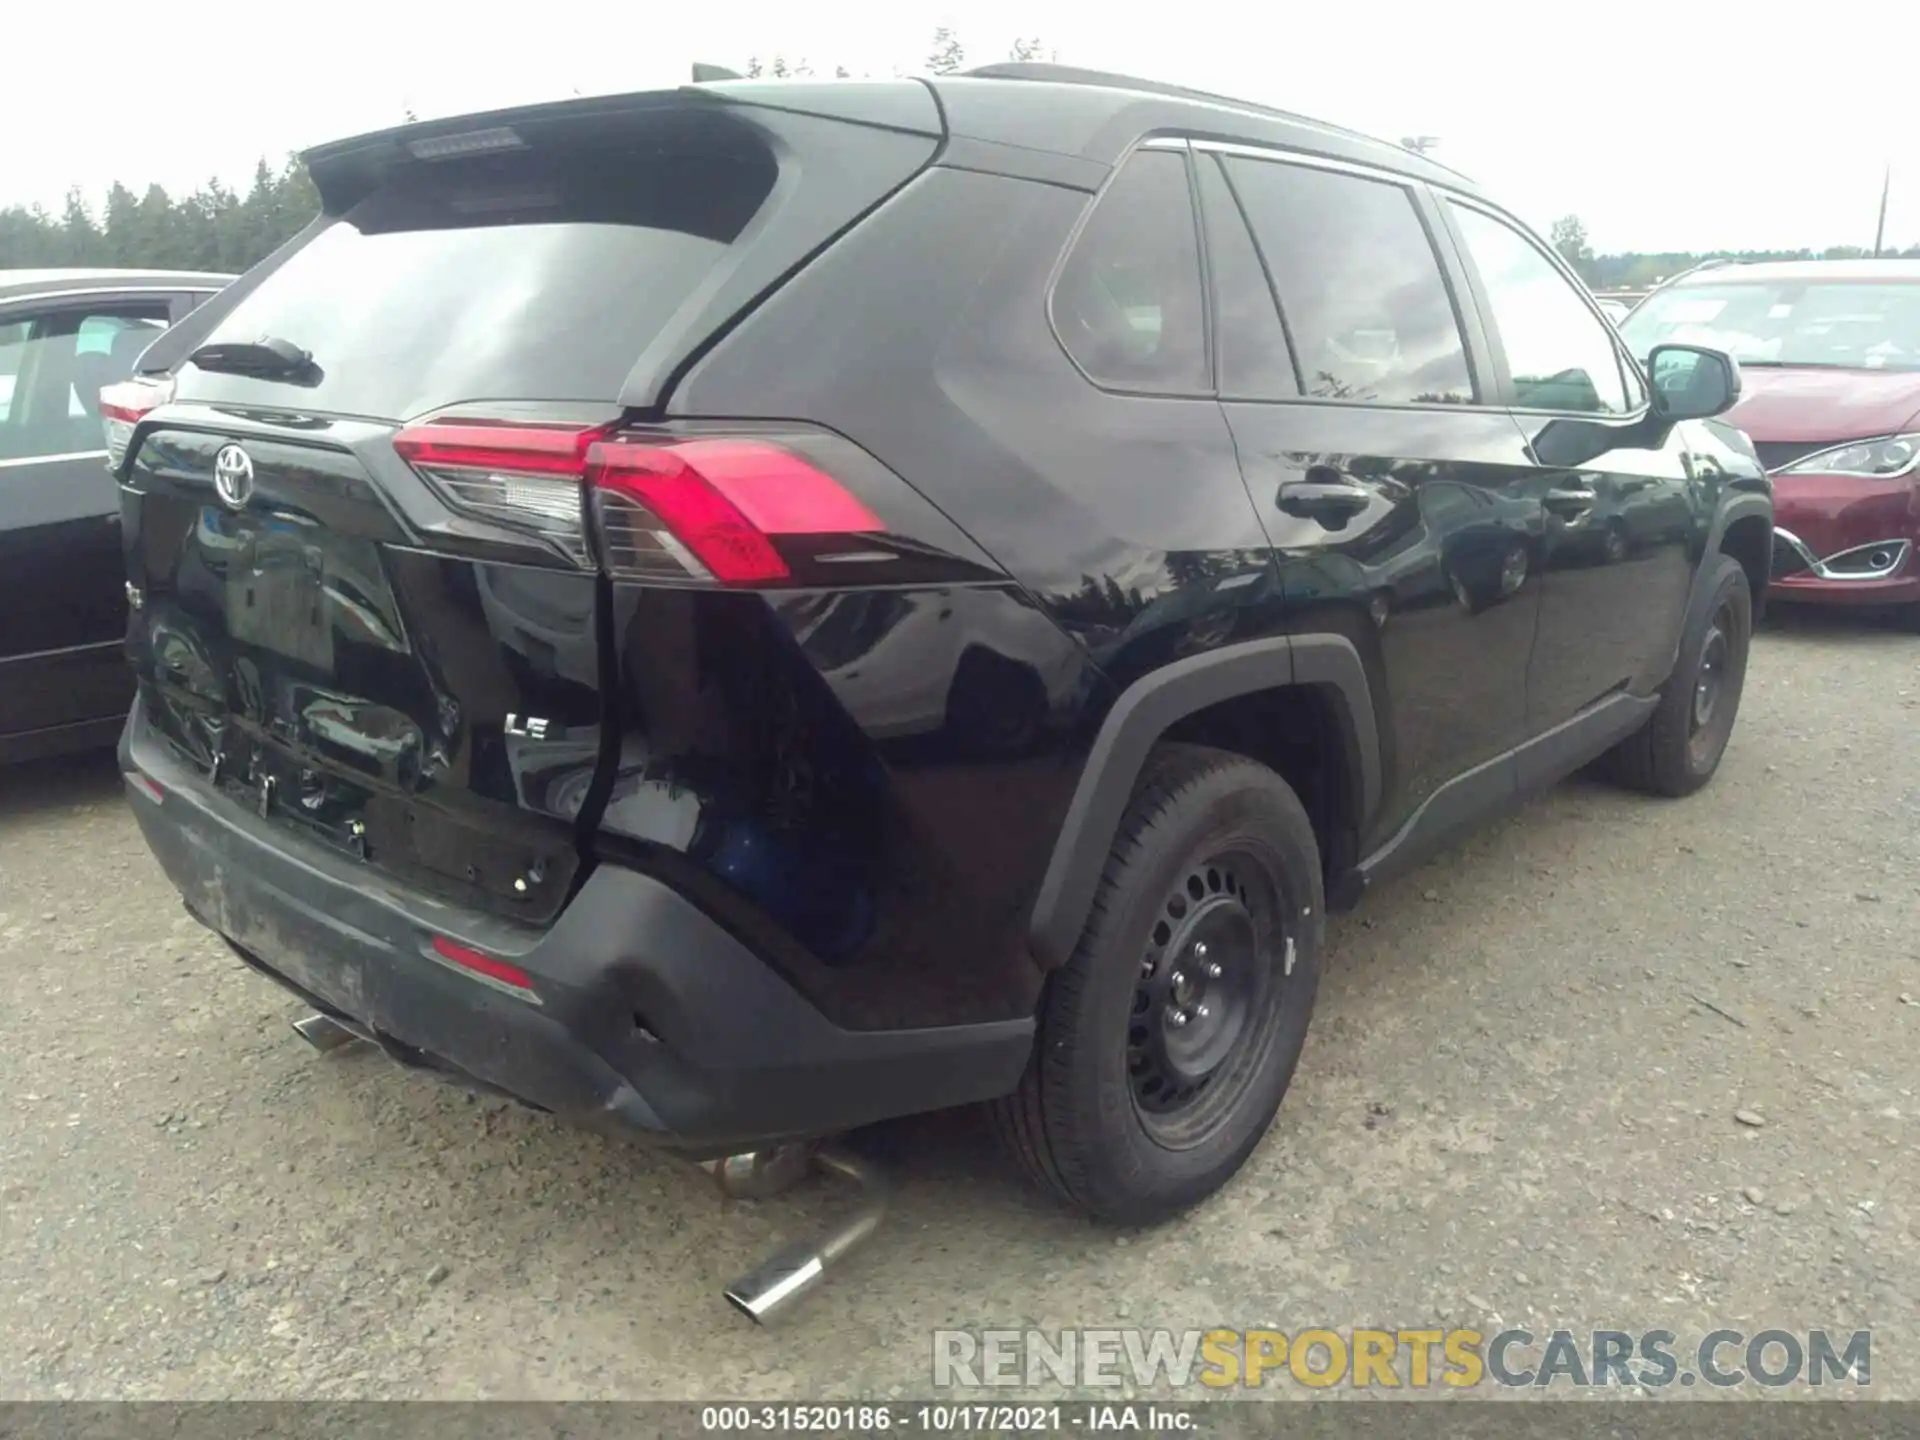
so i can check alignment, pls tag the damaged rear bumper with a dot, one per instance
(642, 1015)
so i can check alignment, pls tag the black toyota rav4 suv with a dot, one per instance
(738, 612)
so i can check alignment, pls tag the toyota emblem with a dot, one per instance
(233, 476)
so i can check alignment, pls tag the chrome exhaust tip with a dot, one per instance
(323, 1032)
(773, 1287)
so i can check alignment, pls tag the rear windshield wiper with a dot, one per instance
(268, 358)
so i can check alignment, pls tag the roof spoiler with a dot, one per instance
(703, 74)
(343, 171)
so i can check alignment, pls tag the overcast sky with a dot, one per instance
(1677, 126)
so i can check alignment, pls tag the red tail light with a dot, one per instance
(497, 445)
(485, 966)
(125, 405)
(723, 500)
(705, 509)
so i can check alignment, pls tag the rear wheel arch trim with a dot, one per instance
(1333, 662)
(1145, 711)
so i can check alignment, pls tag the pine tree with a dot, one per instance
(158, 236)
(947, 55)
(79, 237)
(120, 226)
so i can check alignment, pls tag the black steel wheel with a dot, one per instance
(1205, 983)
(1513, 570)
(1678, 750)
(1170, 1036)
(1613, 545)
(1710, 687)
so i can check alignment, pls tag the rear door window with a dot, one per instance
(1363, 293)
(1127, 305)
(1255, 362)
(52, 368)
(118, 338)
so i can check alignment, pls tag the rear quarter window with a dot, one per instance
(1127, 305)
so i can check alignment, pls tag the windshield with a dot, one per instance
(1862, 325)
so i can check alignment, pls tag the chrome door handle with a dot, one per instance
(1325, 495)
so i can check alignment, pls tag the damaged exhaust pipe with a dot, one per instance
(774, 1286)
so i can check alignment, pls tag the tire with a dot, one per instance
(1674, 753)
(995, 706)
(1613, 546)
(1508, 579)
(1514, 569)
(1214, 851)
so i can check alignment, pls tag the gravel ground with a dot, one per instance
(1526, 1100)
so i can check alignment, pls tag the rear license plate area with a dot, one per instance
(276, 595)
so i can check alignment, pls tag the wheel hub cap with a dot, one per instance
(1712, 679)
(1199, 986)
(1513, 571)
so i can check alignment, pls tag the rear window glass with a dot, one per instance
(536, 275)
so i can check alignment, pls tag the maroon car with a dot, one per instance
(1830, 358)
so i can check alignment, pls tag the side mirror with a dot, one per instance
(1691, 382)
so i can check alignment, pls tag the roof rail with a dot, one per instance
(1106, 79)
